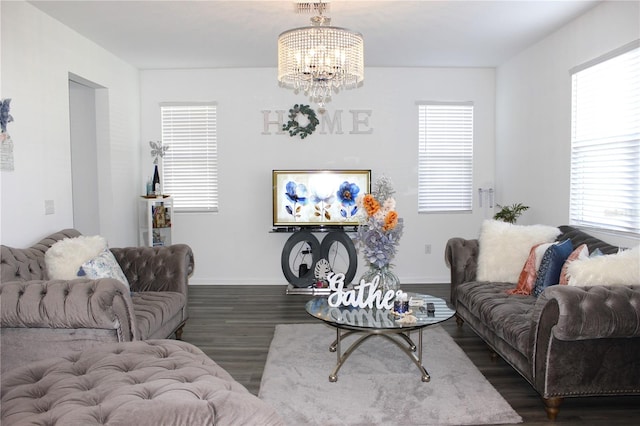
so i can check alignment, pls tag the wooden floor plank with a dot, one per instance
(234, 326)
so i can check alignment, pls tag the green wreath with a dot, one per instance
(294, 127)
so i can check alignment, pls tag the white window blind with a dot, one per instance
(605, 142)
(190, 165)
(445, 157)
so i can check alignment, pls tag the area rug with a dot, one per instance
(378, 384)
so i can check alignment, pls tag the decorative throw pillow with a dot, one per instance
(582, 252)
(504, 248)
(64, 258)
(529, 272)
(551, 265)
(622, 268)
(104, 265)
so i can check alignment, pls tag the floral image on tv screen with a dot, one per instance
(318, 197)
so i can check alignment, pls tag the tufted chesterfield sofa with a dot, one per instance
(142, 383)
(77, 353)
(568, 342)
(41, 318)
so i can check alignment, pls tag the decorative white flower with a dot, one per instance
(388, 205)
(157, 150)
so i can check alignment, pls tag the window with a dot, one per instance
(445, 157)
(605, 142)
(190, 165)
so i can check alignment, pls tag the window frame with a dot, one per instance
(197, 192)
(605, 197)
(438, 158)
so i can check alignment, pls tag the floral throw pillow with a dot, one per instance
(104, 265)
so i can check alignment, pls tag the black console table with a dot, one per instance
(302, 252)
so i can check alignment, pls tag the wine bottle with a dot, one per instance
(156, 181)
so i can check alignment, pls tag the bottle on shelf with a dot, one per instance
(156, 181)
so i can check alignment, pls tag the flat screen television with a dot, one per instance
(318, 198)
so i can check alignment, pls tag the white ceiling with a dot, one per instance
(237, 34)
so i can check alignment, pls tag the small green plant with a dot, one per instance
(510, 213)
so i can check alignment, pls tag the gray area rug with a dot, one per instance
(378, 384)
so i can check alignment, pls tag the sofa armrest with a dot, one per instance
(585, 340)
(82, 303)
(596, 312)
(165, 268)
(461, 256)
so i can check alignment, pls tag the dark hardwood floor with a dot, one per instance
(234, 325)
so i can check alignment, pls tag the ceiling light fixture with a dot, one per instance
(320, 59)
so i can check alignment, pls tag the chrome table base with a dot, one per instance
(405, 344)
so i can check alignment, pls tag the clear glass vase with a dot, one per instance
(387, 279)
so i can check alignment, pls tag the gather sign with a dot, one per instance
(363, 295)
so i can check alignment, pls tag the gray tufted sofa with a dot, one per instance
(568, 342)
(154, 383)
(88, 352)
(41, 318)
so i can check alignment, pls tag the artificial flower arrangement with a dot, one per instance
(380, 228)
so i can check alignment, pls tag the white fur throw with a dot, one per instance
(64, 258)
(622, 268)
(504, 248)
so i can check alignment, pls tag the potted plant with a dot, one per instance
(510, 214)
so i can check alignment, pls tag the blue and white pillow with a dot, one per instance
(104, 265)
(551, 266)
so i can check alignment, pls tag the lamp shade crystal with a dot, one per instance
(320, 59)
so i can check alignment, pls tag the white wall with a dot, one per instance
(528, 99)
(235, 246)
(533, 111)
(38, 53)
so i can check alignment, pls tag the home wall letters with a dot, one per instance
(331, 123)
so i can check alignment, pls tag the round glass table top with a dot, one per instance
(378, 319)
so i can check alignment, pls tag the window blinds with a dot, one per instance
(189, 167)
(605, 143)
(445, 157)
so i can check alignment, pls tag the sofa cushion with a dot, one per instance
(551, 266)
(65, 257)
(19, 264)
(613, 269)
(579, 237)
(509, 316)
(104, 265)
(582, 252)
(158, 382)
(527, 279)
(504, 248)
(157, 311)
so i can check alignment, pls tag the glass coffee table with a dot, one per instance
(367, 322)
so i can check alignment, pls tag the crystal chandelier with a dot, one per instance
(320, 59)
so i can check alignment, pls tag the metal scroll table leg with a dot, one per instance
(408, 347)
(417, 360)
(407, 338)
(425, 374)
(342, 358)
(334, 345)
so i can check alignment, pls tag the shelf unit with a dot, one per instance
(154, 222)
